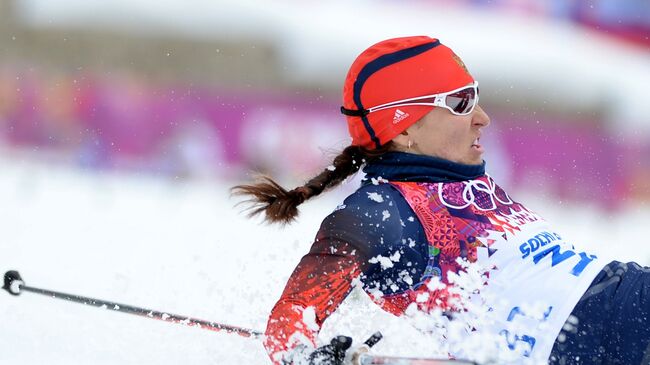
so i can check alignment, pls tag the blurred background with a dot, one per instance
(124, 123)
(217, 88)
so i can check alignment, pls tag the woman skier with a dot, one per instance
(425, 209)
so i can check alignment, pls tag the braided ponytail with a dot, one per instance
(281, 206)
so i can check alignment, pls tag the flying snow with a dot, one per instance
(376, 197)
(385, 262)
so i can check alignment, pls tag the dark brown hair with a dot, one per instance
(281, 206)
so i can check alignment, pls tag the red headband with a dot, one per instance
(397, 69)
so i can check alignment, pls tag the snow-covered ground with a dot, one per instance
(183, 247)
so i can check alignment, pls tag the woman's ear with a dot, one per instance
(402, 140)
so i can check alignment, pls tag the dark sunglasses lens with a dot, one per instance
(462, 101)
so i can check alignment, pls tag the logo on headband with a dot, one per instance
(459, 62)
(399, 116)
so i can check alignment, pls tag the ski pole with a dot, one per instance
(362, 357)
(368, 359)
(15, 285)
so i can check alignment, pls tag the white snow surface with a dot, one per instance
(183, 248)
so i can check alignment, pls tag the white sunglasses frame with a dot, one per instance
(439, 100)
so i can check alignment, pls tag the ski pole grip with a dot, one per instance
(13, 282)
(372, 340)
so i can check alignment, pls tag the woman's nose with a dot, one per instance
(480, 118)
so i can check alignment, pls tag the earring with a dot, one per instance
(409, 144)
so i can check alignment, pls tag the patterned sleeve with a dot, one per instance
(317, 286)
(364, 227)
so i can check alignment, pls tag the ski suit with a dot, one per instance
(423, 213)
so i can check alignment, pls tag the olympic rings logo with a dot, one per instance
(475, 192)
